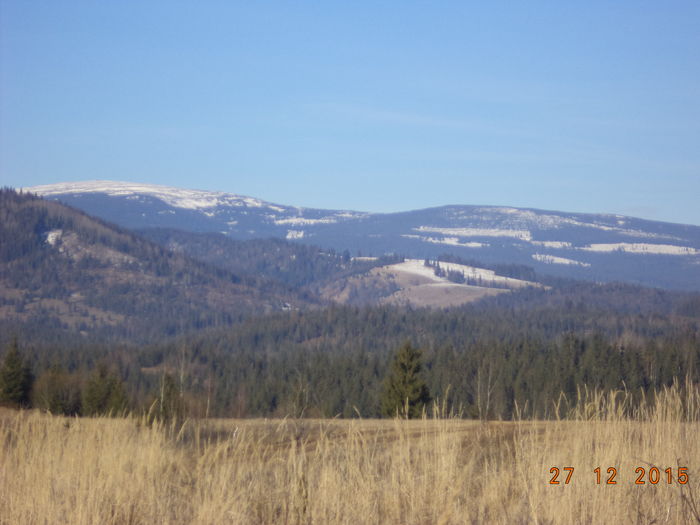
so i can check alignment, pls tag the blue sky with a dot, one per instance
(377, 106)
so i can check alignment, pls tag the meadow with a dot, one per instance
(439, 469)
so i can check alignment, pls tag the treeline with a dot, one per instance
(514, 271)
(99, 391)
(481, 361)
(457, 276)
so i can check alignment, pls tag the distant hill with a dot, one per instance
(65, 272)
(422, 283)
(295, 265)
(593, 247)
(341, 278)
(62, 270)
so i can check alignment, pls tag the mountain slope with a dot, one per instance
(64, 270)
(341, 278)
(295, 265)
(572, 245)
(414, 283)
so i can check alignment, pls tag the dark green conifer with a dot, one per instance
(405, 393)
(104, 394)
(15, 378)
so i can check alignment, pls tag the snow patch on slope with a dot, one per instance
(477, 232)
(485, 277)
(53, 236)
(527, 219)
(450, 241)
(416, 267)
(552, 259)
(205, 202)
(657, 249)
(177, 197)
(552, 244)
(300, 221)
(519, 219)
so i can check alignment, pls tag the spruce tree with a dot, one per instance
(405, 392)
(15, 378)
(104, 394)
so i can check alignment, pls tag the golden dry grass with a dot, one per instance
(442, 470)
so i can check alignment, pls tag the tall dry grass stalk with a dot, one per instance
(441, 470)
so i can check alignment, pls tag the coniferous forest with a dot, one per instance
(482, 361)
(98, 319)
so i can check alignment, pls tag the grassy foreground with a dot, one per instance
(442, 470)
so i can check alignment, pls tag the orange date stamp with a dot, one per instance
(609, 476)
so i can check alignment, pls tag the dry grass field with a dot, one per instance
(437, 470)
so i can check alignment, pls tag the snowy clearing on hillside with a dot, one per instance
(485, 277)
(53, 237)
(351, 215)
(643, 248)
(419, 286)
(520, 219)
(295, 234)
(416, 267)
(526, 219)
(300, 221)
(477, 232)
(450, 241)
(552, 244)
(552, 259)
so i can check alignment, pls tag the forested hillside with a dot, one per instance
(360, 281)
(62, 271)
(295, 265)
(483, 360)
(334, 362)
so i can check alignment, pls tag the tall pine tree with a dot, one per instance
(405, 392)
(15, 378)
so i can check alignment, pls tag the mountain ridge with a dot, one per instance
(178, 197)
(595, 247)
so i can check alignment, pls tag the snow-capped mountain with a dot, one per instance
(588, 246)
(145, 206)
